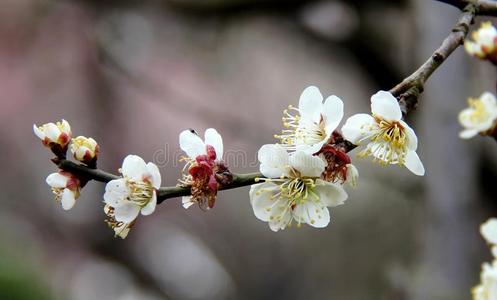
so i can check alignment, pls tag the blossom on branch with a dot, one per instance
(205, 169)
(56, 136)
(136, 192)
(293, 190)
(390, 139)
(487, 289)
(484, 44)
(479, 117)
(84, 149)
(314, 122)
(66, 188)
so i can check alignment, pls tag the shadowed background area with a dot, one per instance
(134, 74)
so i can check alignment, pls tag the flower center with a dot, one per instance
(479, 113)
(300, 131)
(390, 142)
(141, 192)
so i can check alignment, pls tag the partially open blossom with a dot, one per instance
(134, 193)
(484, 44)
(52, 134)
(204, 165)
(479, 117)
(293, 190)
(314, 122)
(390, 139)
(487, 289)
(84, 149)
(66, 188)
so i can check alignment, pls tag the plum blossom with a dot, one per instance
(52, 134)
(314, 122)
(484, 44)
(205, 169)
(293, 190)
(84, 149)
(66, 188)
(390, 139)
(487, 289)
(479, 117)
(134, 193)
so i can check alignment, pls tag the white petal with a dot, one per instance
(150, 207)
(412, 139)
(260, 199)
(332, 113)
(66, 127)
(191, 143)
(155, 176)
(352, 175)
(126, 212)
(489, 231)
(358, 128)
(52, 131)
(281, 219)
(213, 138)
(186, 201)
(307, 164)
(274, 160)
(330, 194)
(134, 167)
(414, 164)
(311, 104)
(38, 132)
(57, 180)
(316, 214)
(115, 192)
(311, 149)
(468, 133)
(68, 199)
(386, 106)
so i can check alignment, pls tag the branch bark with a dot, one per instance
(483, 7)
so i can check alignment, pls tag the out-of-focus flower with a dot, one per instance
(339, 167)
(134, 193)
(84, 149)
(204, 166)
(52, 134)
(479, 117)
(66, 188)
(391, 140)
(314, 122)
(487, 289)
(293, 190)
(484, 44)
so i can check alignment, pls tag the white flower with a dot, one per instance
(66, 188)
(489, 231)
(314, 123)
(203, 162)
(479, 117)
(391, 140)
(84, 149)
(485, 42)
(58, 133)
(487, 289)
(135, 192)
(293, 190)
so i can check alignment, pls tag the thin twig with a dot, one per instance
(407, 92)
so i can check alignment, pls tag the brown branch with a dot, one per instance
(483, 7)
(410, 88)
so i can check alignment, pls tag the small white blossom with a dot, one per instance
(487, 289)
(58, 133)
(390, 139)
(134, 193)
(203, 161)
(84, 149)
(489, 231)
(293, 190)
(314, 122)
(484, 45)
(66, 188)
(479, 117)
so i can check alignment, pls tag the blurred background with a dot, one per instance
(133, 74)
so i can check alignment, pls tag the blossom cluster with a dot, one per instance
(304, 174)
(487, 289)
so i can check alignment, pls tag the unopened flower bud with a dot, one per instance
(84, 149)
